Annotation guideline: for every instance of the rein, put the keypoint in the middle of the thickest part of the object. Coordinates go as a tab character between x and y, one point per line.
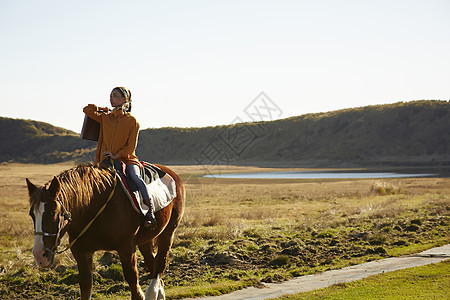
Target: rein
65	215
92	221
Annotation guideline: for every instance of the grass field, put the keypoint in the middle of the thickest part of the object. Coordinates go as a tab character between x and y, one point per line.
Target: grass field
427	282
239	233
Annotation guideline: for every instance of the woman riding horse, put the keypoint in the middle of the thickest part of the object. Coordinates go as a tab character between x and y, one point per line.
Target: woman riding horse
88	204
118	140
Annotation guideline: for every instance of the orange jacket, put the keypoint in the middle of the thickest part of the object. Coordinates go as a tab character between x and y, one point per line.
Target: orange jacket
118	134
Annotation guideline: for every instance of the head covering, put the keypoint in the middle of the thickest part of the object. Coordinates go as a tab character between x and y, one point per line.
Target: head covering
126	107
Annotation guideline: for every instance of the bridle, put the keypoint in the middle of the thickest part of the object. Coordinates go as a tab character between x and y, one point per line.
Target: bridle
63	216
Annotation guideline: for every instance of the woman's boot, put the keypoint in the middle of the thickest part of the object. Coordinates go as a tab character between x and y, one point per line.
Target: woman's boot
149	219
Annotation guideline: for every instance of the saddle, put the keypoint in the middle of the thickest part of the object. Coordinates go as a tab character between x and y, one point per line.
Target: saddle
160	185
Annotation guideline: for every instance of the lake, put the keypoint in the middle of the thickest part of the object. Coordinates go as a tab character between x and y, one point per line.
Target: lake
319	175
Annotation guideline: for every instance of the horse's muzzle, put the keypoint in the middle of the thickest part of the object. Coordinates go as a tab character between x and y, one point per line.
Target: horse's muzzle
44	258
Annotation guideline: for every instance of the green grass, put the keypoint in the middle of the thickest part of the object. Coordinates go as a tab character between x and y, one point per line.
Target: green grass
426	282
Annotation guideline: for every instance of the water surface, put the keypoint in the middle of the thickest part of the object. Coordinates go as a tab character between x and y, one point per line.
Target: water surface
319	175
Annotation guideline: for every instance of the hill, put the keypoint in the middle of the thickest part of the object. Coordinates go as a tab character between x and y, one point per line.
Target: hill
37	142
411	133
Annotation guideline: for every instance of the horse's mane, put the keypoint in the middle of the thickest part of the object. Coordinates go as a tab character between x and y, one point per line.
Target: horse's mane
79	184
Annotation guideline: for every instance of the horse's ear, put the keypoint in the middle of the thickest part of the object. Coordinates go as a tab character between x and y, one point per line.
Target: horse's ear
55	187
31	187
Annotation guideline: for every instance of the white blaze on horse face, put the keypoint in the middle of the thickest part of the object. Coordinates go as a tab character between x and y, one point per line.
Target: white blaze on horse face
38	248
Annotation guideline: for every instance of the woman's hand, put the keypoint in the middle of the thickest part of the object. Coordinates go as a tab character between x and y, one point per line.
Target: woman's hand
102	109
109	154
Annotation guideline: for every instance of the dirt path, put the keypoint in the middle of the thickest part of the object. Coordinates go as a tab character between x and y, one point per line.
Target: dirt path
321	280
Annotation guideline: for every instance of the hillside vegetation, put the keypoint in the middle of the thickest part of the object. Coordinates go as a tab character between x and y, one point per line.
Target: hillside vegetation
37	142
403	133
411	133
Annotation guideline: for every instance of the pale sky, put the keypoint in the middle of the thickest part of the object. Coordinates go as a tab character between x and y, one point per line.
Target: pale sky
200	63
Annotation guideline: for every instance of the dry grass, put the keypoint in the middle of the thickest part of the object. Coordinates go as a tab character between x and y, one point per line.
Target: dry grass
306	203
16	227
226	211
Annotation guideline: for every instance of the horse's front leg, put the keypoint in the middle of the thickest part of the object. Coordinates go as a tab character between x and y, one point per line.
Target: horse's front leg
130	271
84	262
155	291
149	259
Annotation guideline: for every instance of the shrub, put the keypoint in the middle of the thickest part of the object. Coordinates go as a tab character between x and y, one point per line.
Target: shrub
377	239
412	227
280	260
326	234
384	188
113	272
69	277
416	222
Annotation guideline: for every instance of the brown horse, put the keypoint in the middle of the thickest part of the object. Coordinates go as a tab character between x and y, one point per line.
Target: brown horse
71	200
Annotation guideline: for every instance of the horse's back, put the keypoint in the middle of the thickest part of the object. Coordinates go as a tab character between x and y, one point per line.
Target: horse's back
181	192
170	215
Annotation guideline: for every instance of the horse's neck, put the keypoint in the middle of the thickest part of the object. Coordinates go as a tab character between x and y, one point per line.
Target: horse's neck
91	202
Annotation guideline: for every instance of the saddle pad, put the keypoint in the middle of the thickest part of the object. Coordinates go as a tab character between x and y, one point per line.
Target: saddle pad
161	190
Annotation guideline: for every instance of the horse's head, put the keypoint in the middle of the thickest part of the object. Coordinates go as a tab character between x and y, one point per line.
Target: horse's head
49	217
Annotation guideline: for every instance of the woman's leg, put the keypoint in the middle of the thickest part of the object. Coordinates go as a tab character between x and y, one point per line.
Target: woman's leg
135	173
